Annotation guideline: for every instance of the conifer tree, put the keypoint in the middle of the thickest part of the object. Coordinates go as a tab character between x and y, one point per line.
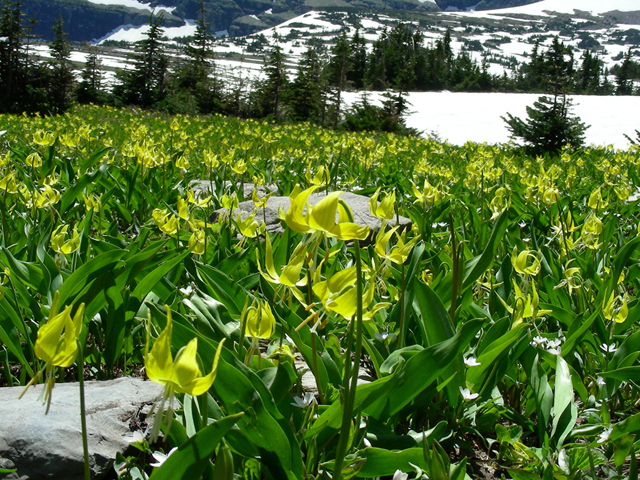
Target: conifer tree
306	93
13	59
198	74
89	89
357	61
61	71
271	89
146	84
338	70
624	82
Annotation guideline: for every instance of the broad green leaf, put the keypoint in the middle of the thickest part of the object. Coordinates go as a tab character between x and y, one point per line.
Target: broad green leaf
193	456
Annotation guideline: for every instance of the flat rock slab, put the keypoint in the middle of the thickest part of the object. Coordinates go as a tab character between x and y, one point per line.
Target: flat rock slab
359	205
203	188
49	446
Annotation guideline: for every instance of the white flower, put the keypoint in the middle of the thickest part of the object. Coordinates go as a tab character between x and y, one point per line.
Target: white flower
555	351
467	395
471	362
554	343
539	341
136	437
600	381
366	442
186	291
304	401
608	348
604	436
400	476
161	457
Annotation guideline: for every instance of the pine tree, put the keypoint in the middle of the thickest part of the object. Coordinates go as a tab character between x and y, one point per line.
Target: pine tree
198	74
338	70
550	127
13	59
588	76
89	89
61	70
306	93
624	82
146	84
269	95
357	61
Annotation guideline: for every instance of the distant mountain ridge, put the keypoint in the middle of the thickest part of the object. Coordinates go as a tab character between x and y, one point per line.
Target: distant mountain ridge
86	21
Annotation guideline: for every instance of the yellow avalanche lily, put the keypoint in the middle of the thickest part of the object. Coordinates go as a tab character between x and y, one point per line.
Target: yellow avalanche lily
384	210
520	262
59	243
179	375
183	374
321	218
56	345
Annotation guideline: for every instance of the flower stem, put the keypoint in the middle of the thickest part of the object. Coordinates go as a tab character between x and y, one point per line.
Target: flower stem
350	392
83	413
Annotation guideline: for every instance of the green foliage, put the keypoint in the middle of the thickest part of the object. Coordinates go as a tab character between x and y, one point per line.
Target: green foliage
550	126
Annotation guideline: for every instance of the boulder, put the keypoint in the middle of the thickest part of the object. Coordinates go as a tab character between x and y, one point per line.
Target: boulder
202	188
359	205
49	446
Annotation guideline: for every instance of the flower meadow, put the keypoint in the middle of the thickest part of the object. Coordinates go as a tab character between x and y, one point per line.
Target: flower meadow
495	337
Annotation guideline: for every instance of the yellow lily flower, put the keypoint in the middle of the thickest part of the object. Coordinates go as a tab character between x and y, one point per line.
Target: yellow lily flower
384	210
183	374
56	345
520	262
259	202
320	179
596	201
197	241
179	375
59	243
8	182
247	227
49	197
33	160
92	202
44	139
240	167
616	308
171	225
290	275
259	320
399	253
321	218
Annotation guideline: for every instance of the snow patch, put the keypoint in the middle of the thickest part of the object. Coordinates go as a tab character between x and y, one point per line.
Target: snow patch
133	4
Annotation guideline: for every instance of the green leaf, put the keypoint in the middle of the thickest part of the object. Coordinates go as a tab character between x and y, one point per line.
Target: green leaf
29	273
191	458
438	327
564	410
542	394
622	450
380	462
518	474
478	265
88	272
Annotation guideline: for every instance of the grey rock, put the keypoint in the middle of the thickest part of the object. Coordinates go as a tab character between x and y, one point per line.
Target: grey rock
359	205
202	188
50	446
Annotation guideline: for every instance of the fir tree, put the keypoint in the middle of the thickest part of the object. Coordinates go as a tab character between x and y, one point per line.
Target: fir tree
357	61
198	75
550	127
146	84
89	89
338	70
306	93
13	59
61	82
624	82
270	90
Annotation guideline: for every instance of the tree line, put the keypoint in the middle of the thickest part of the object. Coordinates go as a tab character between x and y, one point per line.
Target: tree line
399	61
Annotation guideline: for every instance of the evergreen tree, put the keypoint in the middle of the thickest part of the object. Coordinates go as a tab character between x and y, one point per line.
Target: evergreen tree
588	76
269	95
197	75
306	93
338	70
13	59
550	127
357	61
89	90
557	76
624	81
61	73
146	84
